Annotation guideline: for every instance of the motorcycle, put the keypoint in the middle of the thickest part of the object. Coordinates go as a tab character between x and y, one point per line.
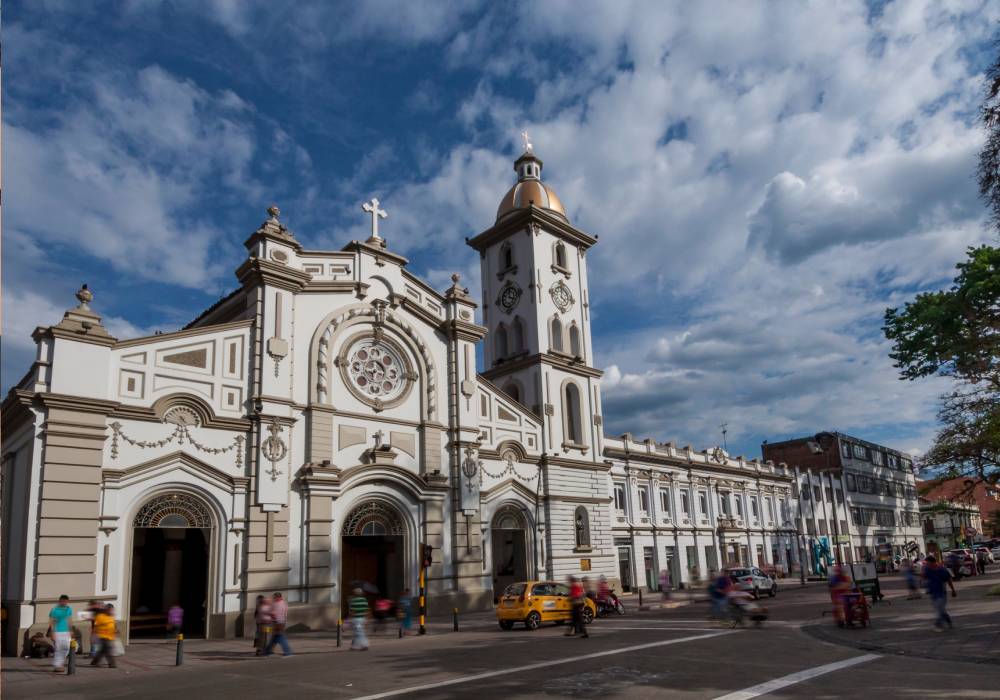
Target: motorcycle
610	605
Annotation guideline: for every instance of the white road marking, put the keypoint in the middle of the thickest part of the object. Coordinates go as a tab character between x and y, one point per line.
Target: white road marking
541	664
793	678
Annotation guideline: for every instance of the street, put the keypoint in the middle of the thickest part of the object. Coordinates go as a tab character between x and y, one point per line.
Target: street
644	654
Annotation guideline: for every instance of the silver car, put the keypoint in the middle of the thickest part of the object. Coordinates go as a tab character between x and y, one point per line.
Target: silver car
752	580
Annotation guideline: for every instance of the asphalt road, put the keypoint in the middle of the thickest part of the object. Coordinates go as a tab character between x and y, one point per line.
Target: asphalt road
642	655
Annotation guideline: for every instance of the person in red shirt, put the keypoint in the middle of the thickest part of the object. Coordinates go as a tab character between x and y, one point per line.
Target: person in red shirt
578	599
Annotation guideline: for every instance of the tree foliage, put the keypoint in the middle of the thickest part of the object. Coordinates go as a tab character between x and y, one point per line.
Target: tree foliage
989	158
954	332
967	443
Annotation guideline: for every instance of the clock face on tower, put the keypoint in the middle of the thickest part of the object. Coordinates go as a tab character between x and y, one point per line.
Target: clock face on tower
509	296
562	297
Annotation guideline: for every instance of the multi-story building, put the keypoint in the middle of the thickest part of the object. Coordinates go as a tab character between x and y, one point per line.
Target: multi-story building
949	524
690	513
857	501
985	496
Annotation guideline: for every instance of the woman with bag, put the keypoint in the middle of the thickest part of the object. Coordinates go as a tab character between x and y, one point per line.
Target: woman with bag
104	628
262	618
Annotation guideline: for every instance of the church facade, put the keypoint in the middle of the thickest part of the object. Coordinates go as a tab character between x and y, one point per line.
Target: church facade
324	422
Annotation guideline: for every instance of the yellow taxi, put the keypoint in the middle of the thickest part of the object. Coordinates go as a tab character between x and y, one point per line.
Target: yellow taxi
535	602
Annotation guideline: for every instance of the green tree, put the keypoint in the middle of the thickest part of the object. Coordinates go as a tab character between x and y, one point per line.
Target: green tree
989	158
955	332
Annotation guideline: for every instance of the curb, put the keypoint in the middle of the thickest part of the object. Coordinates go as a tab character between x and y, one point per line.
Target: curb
822	633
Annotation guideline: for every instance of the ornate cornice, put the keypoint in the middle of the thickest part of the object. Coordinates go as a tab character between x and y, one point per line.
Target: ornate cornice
564	363
255	271
522	219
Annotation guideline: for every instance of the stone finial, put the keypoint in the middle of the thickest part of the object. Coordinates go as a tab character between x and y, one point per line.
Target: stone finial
84	296
456	289
273	212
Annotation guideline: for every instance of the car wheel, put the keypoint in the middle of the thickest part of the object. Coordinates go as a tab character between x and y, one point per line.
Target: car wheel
588	615
774	590
506	624
756	593
533	621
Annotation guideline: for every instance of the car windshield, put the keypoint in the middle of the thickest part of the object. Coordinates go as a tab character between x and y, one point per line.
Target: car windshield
515	589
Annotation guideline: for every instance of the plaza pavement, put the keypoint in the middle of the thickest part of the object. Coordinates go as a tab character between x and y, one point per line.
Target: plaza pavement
646	654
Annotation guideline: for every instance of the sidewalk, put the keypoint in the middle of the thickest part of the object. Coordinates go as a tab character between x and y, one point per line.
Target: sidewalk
30	677
905	627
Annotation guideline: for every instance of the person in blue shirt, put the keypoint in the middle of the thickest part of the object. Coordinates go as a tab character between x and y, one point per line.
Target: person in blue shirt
61	626
937	577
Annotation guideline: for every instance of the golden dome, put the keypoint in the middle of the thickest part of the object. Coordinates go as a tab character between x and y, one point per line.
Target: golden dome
529	189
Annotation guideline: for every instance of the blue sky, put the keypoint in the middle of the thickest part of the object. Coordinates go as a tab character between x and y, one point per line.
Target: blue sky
765	179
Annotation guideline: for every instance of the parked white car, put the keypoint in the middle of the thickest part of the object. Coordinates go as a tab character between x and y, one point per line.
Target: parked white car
752	580
995	553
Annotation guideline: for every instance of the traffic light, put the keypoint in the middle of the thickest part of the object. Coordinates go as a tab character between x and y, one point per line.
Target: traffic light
427	555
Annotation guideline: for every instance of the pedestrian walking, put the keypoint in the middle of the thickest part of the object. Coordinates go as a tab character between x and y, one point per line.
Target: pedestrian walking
279	617
718	592
105	629
937	578
840	589
665	584
93	607
175	620
60	631
981	562
262	620
910	574
578	599
358	608
404	610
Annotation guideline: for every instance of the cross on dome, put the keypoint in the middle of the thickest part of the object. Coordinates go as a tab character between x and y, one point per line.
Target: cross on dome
526	140
372	208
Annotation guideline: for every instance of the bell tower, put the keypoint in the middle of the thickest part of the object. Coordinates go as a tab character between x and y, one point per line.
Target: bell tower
536	306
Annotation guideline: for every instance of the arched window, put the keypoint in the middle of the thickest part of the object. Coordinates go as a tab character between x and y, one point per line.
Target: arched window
556	333
575	347
559	255
512	390
582	523
501	342
506	256
517	335
571	414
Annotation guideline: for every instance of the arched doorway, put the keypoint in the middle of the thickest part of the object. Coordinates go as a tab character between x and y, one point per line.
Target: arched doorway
508	535
170	553
373	543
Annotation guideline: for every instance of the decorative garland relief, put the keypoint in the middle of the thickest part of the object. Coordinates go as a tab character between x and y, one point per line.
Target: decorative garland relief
183	419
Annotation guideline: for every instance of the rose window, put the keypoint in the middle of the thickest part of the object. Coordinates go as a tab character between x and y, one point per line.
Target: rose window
376	370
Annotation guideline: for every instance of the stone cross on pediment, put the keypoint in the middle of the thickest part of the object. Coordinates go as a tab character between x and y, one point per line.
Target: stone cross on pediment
379	437
372	208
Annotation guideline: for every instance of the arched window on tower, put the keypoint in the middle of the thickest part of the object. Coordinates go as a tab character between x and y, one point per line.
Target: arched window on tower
517	335
500	342
575	347
582	524
506	256
572	419
556	334
559	255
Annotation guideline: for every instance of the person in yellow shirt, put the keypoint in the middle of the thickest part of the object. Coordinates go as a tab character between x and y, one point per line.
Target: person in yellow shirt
104	628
